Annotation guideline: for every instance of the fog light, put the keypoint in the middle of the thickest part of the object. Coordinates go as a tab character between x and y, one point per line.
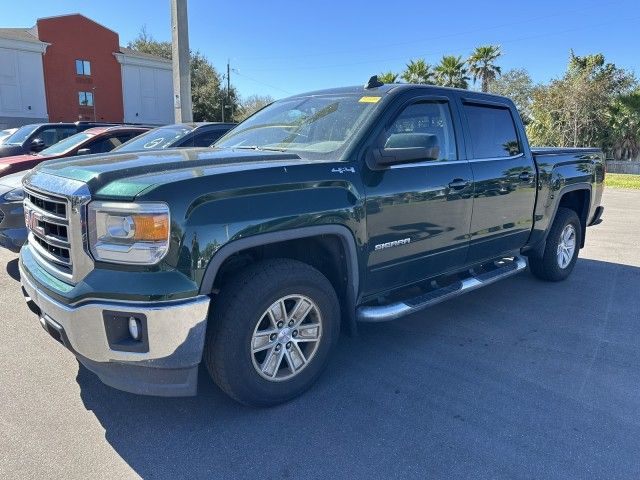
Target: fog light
134	328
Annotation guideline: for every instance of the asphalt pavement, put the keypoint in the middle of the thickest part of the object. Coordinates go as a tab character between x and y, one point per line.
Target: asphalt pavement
522	379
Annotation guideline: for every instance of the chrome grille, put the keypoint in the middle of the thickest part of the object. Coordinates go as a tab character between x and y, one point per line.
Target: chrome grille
56	207
46	217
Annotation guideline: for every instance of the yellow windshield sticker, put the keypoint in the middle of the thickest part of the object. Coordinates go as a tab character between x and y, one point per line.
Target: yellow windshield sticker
369	99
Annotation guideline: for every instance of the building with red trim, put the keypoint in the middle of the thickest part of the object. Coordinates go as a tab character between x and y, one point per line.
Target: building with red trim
71	68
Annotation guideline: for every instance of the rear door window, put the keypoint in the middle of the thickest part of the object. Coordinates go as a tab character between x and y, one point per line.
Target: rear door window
492	130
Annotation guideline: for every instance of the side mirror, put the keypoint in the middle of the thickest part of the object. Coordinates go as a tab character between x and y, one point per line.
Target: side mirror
406	148
37	145
384	157
84	151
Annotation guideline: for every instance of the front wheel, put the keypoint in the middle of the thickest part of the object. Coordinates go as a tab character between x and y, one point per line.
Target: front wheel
271	331
561	249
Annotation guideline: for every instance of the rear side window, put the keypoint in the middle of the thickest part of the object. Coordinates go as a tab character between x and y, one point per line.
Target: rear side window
53	135
205	139
493	133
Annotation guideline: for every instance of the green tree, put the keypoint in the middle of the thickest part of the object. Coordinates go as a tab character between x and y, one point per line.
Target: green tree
518	86
482	65
452	72
574	110
388	77
418	71
252	104
624	124
208	94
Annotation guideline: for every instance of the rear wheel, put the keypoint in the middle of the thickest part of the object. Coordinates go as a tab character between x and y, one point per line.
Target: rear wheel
561	249
271	331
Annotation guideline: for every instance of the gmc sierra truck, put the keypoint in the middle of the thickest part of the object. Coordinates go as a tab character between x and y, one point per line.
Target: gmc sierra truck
322	210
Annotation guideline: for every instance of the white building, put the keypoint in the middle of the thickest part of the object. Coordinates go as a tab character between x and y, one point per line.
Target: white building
22	92
147	87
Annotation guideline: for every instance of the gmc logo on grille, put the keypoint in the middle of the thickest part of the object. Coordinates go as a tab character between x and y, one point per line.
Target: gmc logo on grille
32	220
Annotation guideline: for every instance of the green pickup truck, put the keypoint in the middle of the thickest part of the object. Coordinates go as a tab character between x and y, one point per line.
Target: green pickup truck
360	204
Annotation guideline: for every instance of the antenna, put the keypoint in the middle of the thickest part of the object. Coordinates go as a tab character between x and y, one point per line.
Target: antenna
373	83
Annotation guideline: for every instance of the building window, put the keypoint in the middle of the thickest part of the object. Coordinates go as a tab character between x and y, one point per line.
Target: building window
83	67
85	99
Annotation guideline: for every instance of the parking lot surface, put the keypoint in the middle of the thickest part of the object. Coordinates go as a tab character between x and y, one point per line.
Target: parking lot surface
522	379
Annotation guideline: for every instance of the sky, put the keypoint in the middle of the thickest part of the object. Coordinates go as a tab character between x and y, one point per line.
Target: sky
279	47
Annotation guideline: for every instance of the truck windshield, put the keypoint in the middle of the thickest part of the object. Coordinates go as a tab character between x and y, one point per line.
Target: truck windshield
162	137
19	137
312	127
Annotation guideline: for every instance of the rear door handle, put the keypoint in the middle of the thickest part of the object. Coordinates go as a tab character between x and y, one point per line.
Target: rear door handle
525	177
459	184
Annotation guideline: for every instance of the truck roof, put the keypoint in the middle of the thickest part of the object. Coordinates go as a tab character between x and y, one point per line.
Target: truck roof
394	88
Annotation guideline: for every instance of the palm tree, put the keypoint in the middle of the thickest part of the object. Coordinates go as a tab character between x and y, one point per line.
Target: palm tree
418	71
482	65
388	77
451	72
624	124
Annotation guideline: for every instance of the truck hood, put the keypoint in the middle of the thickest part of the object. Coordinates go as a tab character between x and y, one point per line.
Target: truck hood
128	174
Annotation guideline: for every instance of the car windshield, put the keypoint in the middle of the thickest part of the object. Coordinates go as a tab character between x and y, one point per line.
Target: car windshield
19	137
162	137
69	143
315	127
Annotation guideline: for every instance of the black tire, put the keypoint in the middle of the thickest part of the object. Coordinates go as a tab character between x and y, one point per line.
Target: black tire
547	267
236	311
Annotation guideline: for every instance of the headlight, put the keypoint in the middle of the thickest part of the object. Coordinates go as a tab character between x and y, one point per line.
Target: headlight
15	195
134	233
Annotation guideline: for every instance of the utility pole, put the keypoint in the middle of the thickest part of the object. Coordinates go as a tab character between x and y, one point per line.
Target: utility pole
180	56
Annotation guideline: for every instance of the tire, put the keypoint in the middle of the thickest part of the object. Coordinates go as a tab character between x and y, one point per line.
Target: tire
246	307
550	267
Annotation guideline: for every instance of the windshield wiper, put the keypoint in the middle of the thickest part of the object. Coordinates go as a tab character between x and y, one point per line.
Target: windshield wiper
257	148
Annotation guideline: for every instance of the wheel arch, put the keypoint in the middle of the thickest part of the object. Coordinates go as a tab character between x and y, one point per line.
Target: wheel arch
576	196
347	242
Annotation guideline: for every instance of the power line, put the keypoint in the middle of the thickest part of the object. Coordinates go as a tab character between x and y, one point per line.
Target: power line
405	57
426	39
261	82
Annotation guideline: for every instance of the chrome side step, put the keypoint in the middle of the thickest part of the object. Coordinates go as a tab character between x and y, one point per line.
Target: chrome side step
383	313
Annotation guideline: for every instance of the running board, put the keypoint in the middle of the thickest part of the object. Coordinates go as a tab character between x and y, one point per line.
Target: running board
399	309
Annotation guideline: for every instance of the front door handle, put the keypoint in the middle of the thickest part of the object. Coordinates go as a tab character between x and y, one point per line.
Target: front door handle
525	177
459	184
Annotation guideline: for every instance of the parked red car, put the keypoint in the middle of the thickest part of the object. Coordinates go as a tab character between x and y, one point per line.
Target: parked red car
93	140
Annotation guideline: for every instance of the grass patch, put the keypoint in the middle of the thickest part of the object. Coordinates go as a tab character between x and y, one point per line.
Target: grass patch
622	180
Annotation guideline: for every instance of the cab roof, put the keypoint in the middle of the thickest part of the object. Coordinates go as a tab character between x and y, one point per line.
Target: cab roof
396	88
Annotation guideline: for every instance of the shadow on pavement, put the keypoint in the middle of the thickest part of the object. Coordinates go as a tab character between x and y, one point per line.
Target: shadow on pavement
12	269
522	378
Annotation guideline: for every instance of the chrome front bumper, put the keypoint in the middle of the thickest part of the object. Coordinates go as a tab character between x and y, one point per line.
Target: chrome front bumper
175	334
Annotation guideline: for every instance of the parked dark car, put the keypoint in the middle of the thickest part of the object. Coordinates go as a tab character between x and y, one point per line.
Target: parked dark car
321	210
13	232
36	137
92	140
180	135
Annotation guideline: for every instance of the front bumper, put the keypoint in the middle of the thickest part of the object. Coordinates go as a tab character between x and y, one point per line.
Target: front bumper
13	232
174	340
